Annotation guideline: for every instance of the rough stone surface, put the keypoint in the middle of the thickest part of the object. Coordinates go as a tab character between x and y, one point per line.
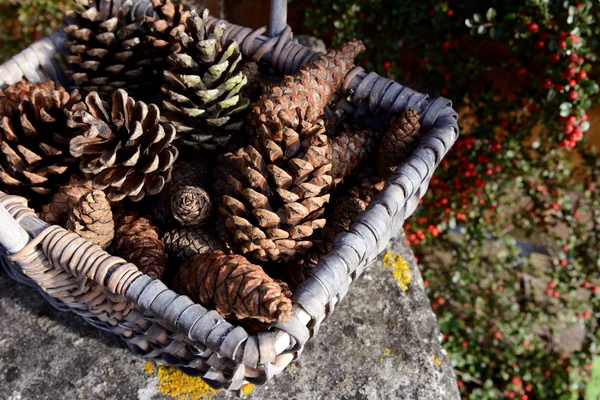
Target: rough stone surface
380	343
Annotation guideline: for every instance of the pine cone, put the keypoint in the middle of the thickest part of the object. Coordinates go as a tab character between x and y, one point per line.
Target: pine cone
349	149
203	86
64	200
163	30
34	138
234	287
278	202
300	99
138	241
398	142
124	149
185	173
191	206
356	198
92	219
108	51
182	244
257	83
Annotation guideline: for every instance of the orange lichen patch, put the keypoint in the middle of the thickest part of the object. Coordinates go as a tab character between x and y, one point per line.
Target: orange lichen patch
174	383
400	269
436	360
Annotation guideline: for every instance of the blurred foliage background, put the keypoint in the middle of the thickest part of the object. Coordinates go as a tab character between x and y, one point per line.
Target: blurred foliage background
508	235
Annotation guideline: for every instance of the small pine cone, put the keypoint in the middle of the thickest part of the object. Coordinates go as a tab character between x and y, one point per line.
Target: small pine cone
185	173
349	149
182	244
138	241
301	98
356	198
257	84
300	269
64	200
398	142
92	219
234	287
123	148
191	206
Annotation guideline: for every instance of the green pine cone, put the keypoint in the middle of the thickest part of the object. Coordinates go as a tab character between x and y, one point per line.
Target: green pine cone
203	86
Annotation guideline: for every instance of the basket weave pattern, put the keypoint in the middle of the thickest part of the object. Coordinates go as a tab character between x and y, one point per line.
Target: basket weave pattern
157	323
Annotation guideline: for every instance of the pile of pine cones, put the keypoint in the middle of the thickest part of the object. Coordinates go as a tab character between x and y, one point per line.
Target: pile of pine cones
176	153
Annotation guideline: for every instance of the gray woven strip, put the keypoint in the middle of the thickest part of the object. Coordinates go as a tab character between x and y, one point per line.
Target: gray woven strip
232	342
266	346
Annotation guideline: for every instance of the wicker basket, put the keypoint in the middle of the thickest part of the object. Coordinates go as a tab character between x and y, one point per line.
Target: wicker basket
161	325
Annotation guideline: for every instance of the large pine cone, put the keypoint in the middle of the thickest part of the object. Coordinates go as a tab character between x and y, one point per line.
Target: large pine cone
34	138
123	148
92	219
162	30
300	98
234	287
138	241
398	142
278	200
108	51
203	86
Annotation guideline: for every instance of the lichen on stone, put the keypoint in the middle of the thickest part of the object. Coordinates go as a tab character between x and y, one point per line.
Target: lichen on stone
176	384
400	269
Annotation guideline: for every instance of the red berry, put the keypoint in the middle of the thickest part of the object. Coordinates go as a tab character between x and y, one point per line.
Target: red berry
524	397
562	44
461	217
464	344
521	71
554	58
577	6
565	247
573	94
497	335
584	117
547	372
516	381
563	35
450	12
571	119
567	129
555	207
440	300
586	314
533	27
559	88
572	83
387	65
556	294
573	58
595	289
361	14
511	395
528	388
546	83
587	367
446	46
504	123
586	284
582	75
425	283
551	285
444	91
563	262
539	44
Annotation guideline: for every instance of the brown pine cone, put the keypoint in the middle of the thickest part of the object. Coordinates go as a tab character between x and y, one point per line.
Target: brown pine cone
234	287
34	138
138	241
348	149
364	185
279	198
92	219
182	244
191	206
123	148
300	98
64	200
398	142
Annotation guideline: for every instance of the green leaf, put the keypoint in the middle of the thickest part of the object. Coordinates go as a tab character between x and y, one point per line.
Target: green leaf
468	23
481	29
585	126
592	391
551	95
490	14
565	106
477	18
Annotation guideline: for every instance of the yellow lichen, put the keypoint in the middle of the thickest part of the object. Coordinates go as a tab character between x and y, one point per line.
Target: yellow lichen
247	389
174	383
436	360
386	353
400	269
